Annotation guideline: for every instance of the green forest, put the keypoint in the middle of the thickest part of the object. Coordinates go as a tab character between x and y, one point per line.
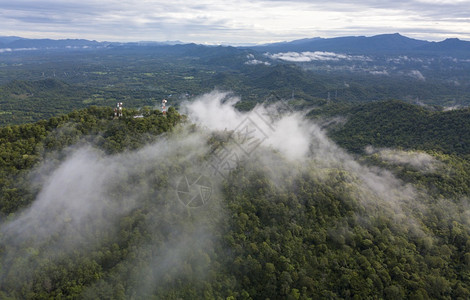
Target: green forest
313	232
38	85
174	206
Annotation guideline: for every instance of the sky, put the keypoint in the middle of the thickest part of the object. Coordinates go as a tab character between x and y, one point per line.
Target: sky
232	22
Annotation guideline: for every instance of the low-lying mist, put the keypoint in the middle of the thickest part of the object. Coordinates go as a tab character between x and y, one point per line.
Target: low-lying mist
176	185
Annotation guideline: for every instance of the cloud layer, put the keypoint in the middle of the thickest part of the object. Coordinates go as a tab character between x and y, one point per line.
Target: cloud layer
315	56
417	160
215	21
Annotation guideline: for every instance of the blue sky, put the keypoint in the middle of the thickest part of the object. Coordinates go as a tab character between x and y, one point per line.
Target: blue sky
232	22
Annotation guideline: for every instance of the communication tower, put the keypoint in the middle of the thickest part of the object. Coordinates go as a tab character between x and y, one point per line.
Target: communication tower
164	101
118	110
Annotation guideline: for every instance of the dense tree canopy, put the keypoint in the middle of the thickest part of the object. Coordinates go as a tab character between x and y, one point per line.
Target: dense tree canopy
313	232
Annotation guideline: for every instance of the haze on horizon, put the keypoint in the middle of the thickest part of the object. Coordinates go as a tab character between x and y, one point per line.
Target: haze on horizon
232	22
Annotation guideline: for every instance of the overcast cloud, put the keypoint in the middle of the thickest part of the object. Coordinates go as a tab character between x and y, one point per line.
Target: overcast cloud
233	22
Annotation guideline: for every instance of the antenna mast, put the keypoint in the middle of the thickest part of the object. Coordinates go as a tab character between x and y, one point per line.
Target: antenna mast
118	110
164	101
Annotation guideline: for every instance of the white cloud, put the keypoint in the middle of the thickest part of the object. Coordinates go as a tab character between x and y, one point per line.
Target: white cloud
420	161
314	56
453	107
2	50
417	74
257	62
288	135
382	72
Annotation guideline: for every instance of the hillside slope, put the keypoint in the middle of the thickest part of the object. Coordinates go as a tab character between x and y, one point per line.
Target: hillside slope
96	208
399	124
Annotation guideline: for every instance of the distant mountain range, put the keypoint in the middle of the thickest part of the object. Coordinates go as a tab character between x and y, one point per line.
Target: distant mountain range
378	44
18	43
15	43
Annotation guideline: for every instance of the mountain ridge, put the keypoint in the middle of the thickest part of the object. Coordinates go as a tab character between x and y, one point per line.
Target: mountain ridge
377	44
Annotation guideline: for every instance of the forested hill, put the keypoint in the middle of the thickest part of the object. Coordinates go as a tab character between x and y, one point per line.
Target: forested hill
24	146
29	101
92	208
399	124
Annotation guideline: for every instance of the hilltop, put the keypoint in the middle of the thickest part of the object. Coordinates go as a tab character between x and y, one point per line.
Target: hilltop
92	207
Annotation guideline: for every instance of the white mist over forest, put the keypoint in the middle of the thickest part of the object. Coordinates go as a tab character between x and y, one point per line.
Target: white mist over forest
83	199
